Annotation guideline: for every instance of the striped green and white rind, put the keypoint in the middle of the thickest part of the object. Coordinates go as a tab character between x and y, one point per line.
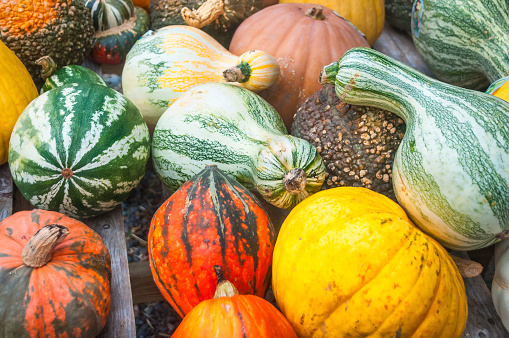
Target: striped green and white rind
71	74
90	129
464	43
242	134
450	172
107	14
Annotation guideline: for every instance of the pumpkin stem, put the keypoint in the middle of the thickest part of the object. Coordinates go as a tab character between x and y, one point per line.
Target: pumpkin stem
466	267
38	251
209	11
295	181
316	12
49	67
224	288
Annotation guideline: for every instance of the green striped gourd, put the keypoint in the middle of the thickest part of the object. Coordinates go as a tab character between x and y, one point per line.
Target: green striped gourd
464	43
163	65
398	13
107	14
79	149
244	136
65	75
450	172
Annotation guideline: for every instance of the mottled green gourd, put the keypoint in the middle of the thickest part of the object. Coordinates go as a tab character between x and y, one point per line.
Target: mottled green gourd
221	18
464	43
235	129
399	13
450	171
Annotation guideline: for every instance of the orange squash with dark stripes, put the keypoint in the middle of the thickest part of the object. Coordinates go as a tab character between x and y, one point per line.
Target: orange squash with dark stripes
211	220
54	277
229	314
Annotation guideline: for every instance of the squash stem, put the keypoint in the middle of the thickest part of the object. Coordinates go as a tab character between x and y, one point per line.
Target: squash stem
39	249
240	73
295	181
49	67
328	73
207	13
224	288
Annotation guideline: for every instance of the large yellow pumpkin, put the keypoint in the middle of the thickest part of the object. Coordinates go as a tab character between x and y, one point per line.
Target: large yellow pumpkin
17	90
367	15
348	262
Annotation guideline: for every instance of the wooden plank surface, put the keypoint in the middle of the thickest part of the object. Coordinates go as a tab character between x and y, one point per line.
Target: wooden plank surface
110	227
6	192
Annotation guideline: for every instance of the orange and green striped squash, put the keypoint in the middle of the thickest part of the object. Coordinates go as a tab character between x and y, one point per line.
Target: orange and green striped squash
211	220
54	277
17	90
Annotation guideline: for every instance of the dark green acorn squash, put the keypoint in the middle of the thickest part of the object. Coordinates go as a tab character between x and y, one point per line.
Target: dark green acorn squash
399	13
356	143
226	16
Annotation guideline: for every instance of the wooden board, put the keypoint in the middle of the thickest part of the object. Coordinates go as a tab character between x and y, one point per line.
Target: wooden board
6	192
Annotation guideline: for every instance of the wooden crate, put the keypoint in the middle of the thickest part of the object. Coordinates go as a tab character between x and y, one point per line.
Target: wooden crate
133	283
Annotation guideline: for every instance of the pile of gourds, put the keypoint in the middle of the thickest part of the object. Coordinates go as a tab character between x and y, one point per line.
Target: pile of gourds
347	260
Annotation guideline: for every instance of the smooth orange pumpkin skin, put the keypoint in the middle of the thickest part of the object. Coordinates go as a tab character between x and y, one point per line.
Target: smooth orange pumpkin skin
67	297
302	45
243	316
143	4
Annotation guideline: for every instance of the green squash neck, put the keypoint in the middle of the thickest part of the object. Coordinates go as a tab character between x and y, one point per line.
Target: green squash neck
366	77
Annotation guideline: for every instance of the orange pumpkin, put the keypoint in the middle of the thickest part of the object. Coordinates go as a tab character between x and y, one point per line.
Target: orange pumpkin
54	275
303	38
229	314
143	4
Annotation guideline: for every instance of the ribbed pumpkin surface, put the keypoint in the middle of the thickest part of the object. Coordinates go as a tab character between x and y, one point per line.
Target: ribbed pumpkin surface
211	220
67	297
17	89
348	262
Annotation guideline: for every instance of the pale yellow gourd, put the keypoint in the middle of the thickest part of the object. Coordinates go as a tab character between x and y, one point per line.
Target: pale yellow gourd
17	90
164	64
348	262
367	15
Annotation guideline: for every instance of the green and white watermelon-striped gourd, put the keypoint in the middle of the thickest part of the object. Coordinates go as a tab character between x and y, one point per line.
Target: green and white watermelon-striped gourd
107	14
464	43
163	65
65	75
79	149
235	129
450	171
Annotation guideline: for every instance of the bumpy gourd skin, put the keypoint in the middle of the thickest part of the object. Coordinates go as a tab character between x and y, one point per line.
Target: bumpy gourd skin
168	12
61	29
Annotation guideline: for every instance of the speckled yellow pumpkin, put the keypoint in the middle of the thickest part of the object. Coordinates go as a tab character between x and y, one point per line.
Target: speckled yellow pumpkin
17	90
348	262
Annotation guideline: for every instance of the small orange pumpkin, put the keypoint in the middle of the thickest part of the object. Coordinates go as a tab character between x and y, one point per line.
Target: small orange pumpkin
54	275
229	314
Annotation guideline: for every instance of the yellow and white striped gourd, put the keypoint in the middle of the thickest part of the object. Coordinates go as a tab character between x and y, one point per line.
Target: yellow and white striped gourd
164	64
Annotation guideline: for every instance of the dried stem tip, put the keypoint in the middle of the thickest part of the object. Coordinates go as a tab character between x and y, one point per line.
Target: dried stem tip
39	249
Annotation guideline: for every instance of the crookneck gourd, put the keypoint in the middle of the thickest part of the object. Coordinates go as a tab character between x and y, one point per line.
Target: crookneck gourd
223	124
465	44
164	64
61	29
216	17
450	171
357	143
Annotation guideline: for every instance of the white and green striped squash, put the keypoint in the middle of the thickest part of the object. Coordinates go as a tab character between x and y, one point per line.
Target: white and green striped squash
164	64
451	170
235	129
79	149
107	14
71	74
464	43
